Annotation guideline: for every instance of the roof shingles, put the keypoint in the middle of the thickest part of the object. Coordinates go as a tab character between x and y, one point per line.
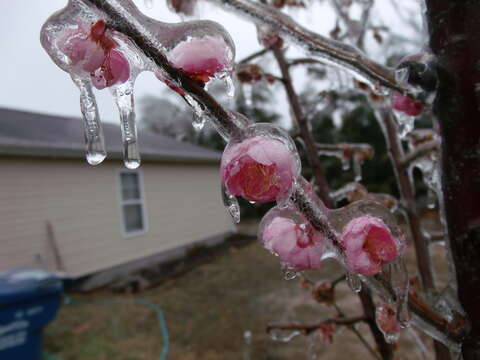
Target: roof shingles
33	134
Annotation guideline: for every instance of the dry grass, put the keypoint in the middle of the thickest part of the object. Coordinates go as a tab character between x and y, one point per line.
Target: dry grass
207	312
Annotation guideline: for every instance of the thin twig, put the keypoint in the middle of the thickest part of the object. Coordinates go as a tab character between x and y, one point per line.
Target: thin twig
306	329
253	56
343	54
303	127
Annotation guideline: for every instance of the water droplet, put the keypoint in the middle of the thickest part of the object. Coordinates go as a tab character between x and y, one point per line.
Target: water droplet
354	282
231	204
95	157
289	274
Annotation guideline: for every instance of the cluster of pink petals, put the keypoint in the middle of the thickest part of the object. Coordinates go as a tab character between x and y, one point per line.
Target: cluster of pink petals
406	104
299	246
259	169
201	58
368	245
91	51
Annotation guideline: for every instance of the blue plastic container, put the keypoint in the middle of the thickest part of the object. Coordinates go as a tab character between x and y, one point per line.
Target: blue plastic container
29	300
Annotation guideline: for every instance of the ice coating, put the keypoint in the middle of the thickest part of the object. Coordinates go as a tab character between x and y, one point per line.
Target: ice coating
231	204
368	245
386	318
260	168
81	41
201	58
287	234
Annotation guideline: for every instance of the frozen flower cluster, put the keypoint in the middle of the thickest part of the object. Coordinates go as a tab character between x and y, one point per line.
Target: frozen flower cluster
91	50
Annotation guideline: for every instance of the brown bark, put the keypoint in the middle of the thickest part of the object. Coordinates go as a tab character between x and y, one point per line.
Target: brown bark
454	27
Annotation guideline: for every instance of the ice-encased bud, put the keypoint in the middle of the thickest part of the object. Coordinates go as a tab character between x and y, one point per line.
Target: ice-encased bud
86	49
203	58
386	319
288	234
406	105
262	165
368	245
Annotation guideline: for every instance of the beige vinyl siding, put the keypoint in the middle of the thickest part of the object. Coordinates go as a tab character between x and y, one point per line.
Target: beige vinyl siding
183	205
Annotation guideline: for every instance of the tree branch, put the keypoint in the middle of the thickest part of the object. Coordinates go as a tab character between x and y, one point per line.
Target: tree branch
420	150
306	329
304	128
347	56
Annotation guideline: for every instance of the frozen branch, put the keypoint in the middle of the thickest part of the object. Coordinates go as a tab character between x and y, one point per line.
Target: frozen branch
304	127
306	329
420	150
335	52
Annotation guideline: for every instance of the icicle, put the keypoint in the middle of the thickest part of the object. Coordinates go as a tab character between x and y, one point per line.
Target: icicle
248	94
312	346
148	4
357	169
385	317
198	122
282	335
124	99
230	86
399	281
354	282
405	123
94	140
231	204
247	338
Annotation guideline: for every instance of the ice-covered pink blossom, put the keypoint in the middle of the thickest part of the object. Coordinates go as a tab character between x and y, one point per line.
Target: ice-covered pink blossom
201	58
299	246
114	70
368	245
91	50
259	169
83	52
406	104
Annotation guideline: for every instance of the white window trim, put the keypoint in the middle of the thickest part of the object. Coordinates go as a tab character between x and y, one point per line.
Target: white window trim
141	201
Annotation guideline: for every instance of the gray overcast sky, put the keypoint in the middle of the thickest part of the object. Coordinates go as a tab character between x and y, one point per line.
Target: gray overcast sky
31	81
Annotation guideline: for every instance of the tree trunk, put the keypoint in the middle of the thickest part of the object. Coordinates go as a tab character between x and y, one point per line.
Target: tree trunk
454	27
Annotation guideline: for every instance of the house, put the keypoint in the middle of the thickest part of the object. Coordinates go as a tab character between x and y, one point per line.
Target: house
60	213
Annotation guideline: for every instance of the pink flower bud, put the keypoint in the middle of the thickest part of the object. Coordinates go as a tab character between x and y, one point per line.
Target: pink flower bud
201	58
83	52
259	169
368	245
295	242
114	70
406	104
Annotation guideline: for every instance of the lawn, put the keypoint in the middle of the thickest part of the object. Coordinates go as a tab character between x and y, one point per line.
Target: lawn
208	310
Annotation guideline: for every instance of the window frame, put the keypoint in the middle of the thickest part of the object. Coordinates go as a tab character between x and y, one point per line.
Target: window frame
140	201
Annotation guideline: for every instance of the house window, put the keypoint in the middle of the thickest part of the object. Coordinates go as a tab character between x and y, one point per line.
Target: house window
132	202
